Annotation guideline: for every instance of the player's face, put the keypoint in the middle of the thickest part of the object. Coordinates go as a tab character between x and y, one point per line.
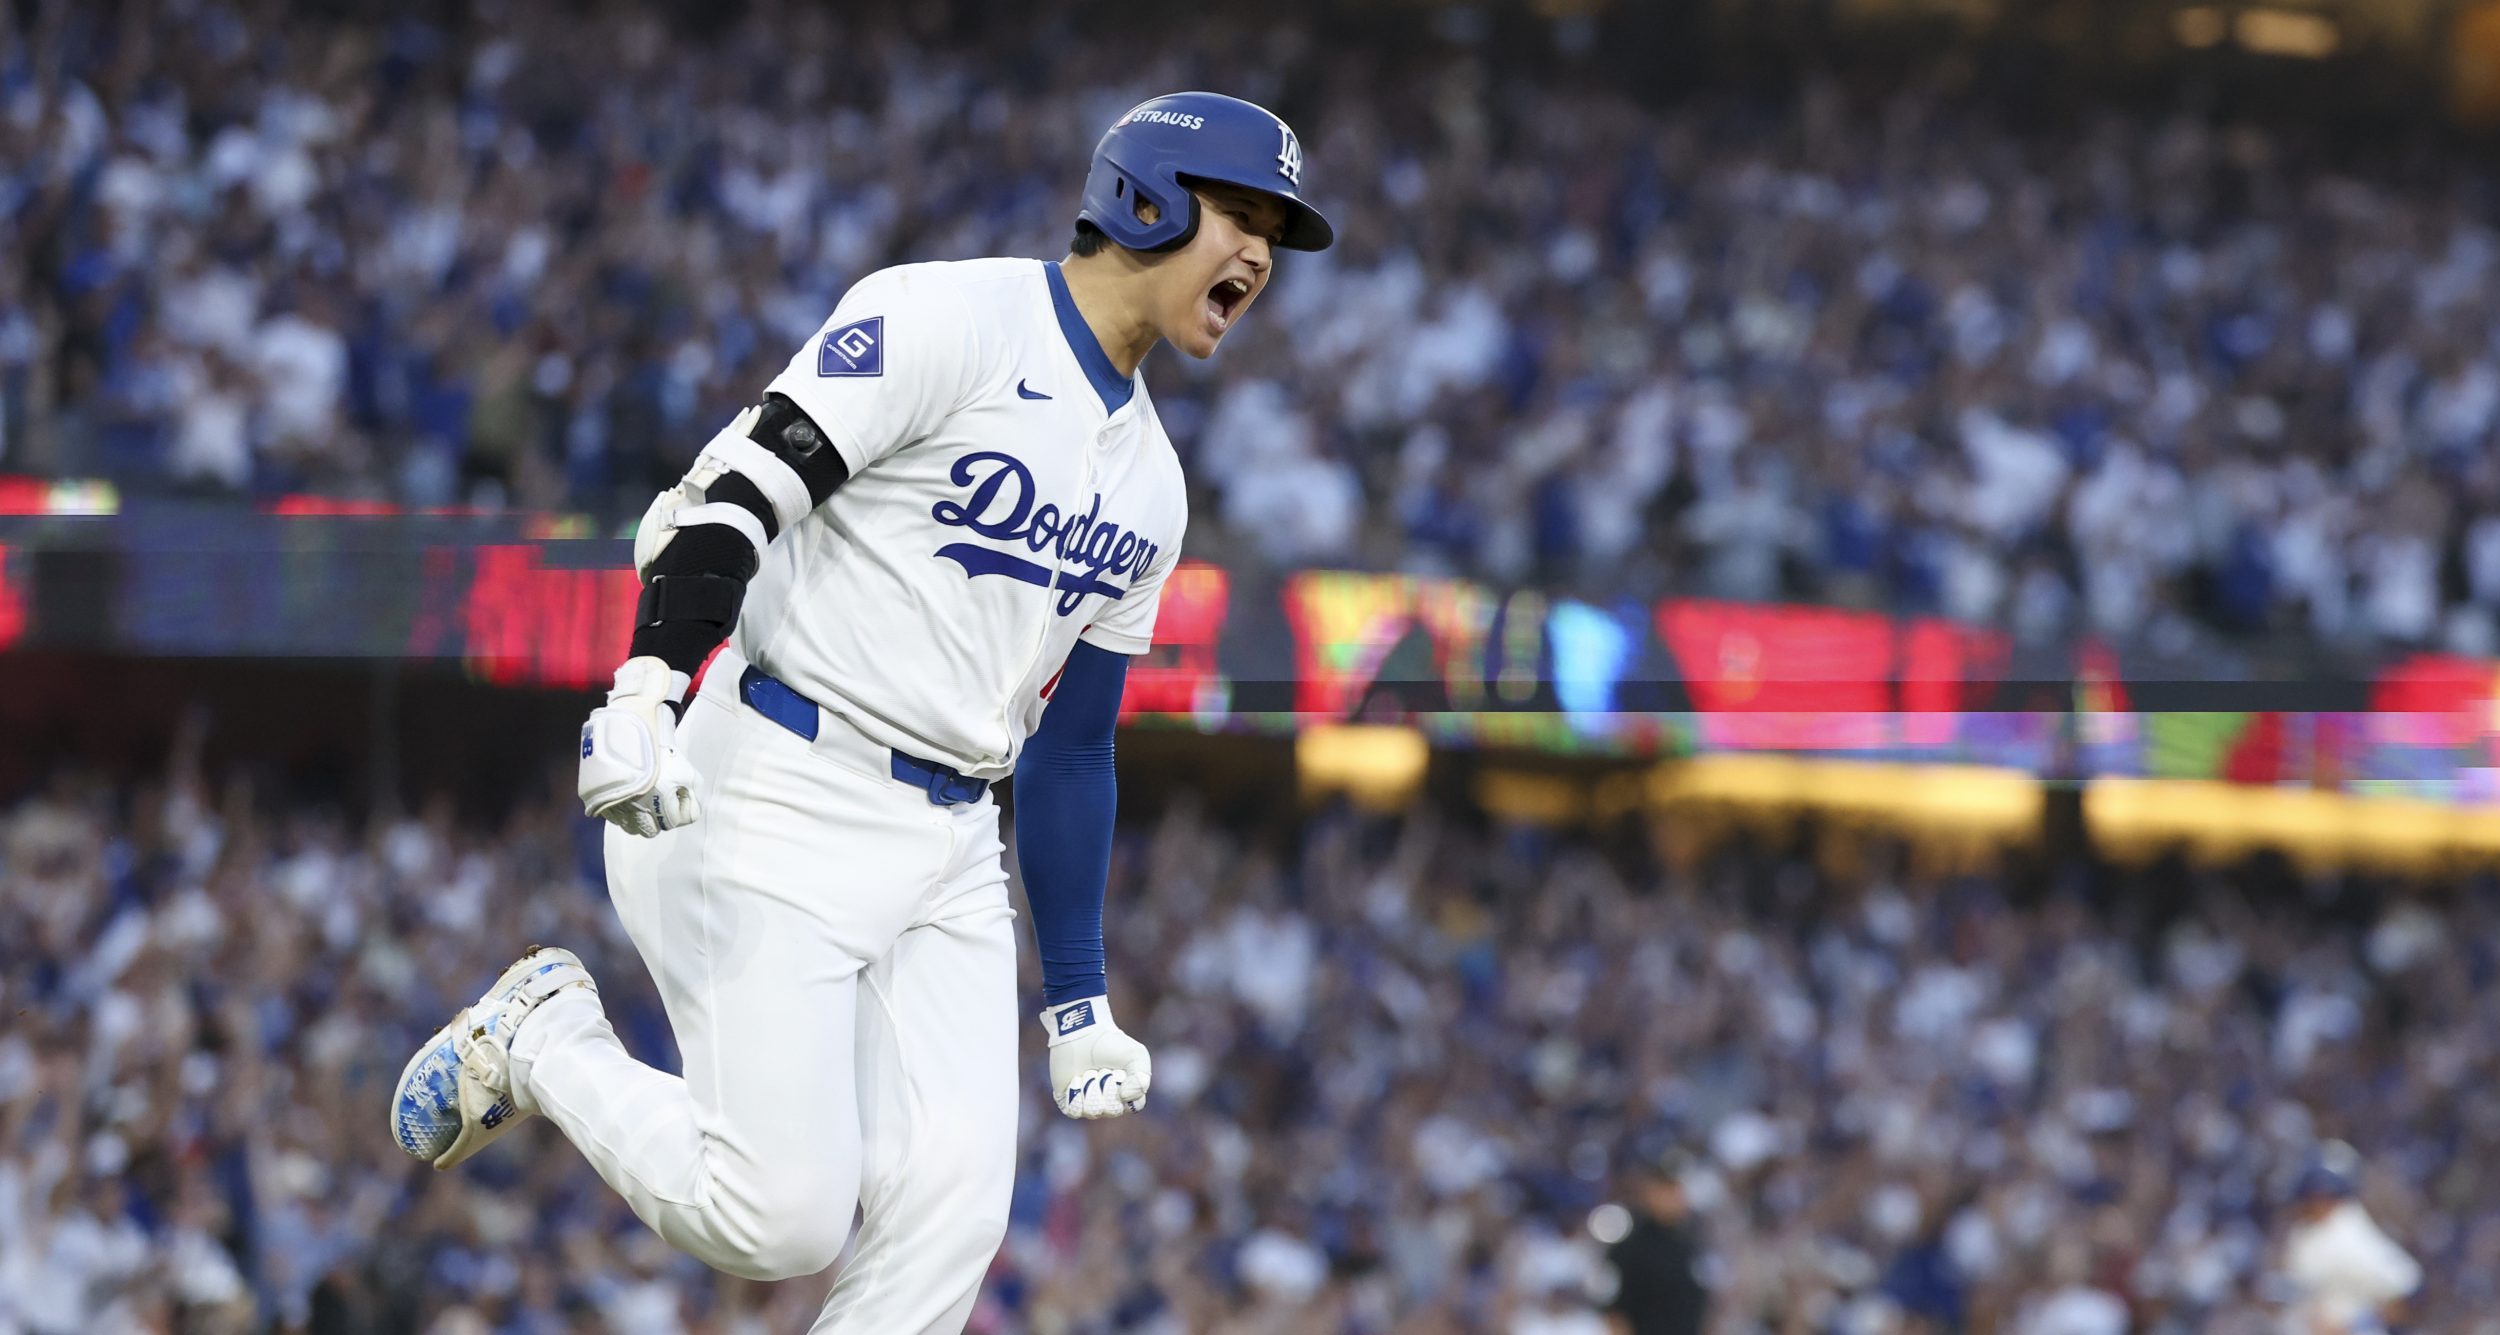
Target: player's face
1210	283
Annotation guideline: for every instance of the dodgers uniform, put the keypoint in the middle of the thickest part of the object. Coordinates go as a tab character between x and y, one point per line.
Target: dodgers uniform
2347	1271
1010	494
917	567
1039	503
2344	1271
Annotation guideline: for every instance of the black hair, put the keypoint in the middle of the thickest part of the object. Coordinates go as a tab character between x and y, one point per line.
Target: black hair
1088	241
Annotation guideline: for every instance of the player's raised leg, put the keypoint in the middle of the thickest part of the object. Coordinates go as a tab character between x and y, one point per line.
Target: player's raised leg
937	1063
754	922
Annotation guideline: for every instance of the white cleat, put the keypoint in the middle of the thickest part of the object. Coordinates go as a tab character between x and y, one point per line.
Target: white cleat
455	1095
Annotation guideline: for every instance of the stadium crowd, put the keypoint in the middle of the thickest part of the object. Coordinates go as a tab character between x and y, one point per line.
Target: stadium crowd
1398	1064
2135	372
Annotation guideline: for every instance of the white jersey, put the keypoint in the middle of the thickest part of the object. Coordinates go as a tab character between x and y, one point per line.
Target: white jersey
999	508
2347	1270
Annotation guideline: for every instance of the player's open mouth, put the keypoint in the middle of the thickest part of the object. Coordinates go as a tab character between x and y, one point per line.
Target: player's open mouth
1224	300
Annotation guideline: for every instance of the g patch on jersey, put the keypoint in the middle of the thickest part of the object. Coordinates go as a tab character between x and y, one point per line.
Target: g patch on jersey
855	349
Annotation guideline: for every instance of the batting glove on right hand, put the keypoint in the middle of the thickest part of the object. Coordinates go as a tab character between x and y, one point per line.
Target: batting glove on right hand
632	776
1095	1070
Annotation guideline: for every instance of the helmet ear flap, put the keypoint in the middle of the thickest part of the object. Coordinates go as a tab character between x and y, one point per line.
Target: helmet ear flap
1185	202
1188	229
1189	219
1113	196
1136	204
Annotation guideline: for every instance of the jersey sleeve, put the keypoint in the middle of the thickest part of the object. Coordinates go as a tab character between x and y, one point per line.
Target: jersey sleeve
1129	626
898	354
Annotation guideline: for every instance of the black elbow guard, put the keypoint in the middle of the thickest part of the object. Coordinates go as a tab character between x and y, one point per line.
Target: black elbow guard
681	618
708	598
795	438
696	582
796	471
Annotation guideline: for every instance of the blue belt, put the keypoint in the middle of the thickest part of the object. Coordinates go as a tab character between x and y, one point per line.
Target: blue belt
775	701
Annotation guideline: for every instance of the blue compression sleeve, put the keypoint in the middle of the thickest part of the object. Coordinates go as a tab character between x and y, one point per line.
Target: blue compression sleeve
1065	797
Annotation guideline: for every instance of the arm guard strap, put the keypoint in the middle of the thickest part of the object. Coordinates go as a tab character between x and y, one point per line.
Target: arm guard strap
703	554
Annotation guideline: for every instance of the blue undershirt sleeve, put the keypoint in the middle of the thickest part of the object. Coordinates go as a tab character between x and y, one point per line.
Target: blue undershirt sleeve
1066	795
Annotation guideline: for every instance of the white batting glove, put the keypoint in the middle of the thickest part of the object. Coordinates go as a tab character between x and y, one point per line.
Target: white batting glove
632	776
1095	1070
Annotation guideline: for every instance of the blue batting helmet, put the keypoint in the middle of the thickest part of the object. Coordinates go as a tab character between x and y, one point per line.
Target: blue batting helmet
1157	149
2333	1170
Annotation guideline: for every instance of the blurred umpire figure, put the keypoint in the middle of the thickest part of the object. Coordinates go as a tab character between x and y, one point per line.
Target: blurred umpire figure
1653	1252
2347	1276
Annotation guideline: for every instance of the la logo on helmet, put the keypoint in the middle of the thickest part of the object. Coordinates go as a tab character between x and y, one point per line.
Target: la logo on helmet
1289	156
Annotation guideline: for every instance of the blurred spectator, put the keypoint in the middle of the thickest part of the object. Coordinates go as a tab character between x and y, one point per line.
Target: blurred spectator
1397	1059
2119	371
2348	1275
1653	1255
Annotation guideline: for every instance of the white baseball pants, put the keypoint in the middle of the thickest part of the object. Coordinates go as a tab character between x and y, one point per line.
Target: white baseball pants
838	960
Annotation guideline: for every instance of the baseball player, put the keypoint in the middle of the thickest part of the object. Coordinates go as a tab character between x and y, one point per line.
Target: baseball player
919	565
2348	1276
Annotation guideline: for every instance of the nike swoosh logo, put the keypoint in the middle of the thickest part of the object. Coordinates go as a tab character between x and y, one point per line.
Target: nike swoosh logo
1023	393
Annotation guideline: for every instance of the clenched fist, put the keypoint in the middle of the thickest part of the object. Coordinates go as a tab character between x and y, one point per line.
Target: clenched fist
1095	1069
632	776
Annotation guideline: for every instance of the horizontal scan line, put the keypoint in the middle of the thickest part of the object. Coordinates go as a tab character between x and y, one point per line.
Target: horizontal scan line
1827	695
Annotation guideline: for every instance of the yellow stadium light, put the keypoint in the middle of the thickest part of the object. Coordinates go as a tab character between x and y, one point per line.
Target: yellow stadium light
1379	766
1533	798
2283	32
1968	798
2200	26
2145	816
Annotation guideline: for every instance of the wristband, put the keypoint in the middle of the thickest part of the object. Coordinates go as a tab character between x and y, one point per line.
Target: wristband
1074	1019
